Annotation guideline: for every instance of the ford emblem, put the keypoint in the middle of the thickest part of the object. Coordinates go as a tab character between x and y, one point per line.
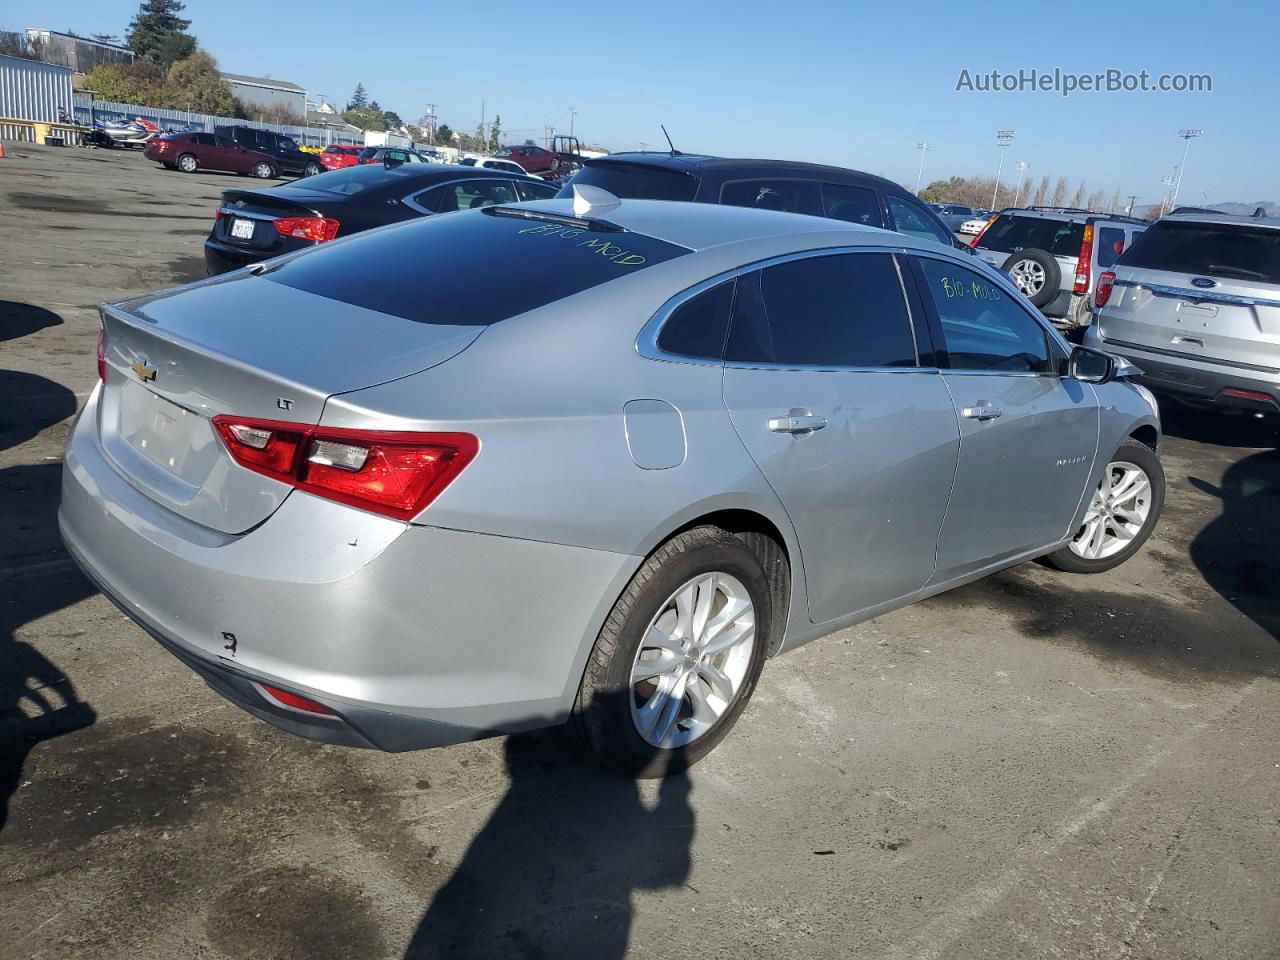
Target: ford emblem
1203	282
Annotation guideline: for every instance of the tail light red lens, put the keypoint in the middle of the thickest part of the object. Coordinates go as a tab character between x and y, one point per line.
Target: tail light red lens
102	356
1102	293
315	229
218	214
394	474
1081	284
294	700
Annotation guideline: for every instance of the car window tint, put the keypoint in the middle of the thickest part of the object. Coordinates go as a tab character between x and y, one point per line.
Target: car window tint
852	204
1010	233
223	142
1110	244
441	270
698	326
634	181
535	190
983	328
788	196
1231	251
845	310
474	195
286	144
914	222
204	139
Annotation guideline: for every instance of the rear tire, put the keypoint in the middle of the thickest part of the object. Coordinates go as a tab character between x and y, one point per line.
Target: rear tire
612	706
1111	517
311	169
1035	273
188	163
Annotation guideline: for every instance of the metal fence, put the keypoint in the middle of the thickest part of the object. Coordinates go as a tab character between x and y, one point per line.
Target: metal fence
31	91
100	111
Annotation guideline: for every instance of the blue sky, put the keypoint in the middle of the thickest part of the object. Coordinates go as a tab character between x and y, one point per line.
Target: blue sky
853	84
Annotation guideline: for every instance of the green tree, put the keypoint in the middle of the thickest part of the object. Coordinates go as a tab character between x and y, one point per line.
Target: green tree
359	99
366	118
392	119
156	32
495	133
444	134
195	84
140	82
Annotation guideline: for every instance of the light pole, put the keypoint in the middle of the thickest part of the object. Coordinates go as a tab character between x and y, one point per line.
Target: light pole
1188	136
1168	187
1022	168
923	148
1003	139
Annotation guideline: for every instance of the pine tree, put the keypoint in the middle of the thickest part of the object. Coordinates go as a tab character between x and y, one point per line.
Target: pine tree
158	34
359	99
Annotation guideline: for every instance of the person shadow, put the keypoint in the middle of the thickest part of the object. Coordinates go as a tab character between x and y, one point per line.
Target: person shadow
1235	551
553	871
37	700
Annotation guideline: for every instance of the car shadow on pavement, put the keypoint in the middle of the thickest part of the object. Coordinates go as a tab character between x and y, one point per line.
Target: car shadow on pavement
1216	427
23	319
553	871
37	700
1235	553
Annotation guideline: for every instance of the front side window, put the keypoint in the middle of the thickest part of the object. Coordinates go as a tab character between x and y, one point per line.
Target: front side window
287	144
844	310
698	326
914	222
787	196
983	328
852	204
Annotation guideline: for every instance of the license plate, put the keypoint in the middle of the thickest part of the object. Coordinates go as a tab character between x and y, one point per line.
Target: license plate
242	229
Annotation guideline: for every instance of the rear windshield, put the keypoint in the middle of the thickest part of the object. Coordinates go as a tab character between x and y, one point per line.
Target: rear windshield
634	181
472	268
1228	250
1012	233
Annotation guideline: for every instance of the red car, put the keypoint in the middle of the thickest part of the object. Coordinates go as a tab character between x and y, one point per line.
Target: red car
190	152
534	160
339	155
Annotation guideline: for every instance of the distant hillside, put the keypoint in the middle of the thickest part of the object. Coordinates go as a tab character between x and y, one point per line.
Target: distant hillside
1245	209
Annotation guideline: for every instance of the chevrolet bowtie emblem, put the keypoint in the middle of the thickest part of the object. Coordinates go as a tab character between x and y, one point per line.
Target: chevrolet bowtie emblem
145	371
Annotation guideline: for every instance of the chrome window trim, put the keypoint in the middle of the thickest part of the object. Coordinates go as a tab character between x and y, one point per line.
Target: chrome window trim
1199	296
647	340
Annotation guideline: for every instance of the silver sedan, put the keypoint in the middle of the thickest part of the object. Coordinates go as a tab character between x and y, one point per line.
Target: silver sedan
581	460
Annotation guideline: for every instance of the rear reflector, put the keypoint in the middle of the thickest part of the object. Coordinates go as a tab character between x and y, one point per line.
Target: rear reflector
296	701
1249	395
315	229
394	474
1102	293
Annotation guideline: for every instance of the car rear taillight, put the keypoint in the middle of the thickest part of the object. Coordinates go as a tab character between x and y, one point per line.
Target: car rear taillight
294	701
987	226
1102	294
1082	264
315	229
218	215
102	356
162	144
394	474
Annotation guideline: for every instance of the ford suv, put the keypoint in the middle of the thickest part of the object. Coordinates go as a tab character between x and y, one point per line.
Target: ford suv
1196	304
1055	254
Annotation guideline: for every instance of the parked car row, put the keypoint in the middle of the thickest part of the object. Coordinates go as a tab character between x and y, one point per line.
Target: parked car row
234	149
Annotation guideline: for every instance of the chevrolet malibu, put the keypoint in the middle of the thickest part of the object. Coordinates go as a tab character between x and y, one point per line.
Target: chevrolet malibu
581	460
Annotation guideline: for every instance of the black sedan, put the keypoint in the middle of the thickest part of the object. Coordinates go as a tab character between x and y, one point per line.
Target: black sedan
255	225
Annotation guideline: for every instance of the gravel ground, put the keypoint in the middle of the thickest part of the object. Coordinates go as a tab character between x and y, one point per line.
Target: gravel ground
1037	765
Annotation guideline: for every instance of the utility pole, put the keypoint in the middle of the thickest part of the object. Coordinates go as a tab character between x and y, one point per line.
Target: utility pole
430	117
923	148
1188	136
1022	168
1003	139
1133	199
573	115
484	141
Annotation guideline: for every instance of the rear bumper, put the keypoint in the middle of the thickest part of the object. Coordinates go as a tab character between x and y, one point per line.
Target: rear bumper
414	636
220	258
1193	379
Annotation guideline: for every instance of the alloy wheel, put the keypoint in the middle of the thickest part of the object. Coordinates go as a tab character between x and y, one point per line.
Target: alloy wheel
692	660
1118	512
1028	276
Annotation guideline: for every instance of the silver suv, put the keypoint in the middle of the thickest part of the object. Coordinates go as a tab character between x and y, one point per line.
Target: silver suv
1055	254
1196	304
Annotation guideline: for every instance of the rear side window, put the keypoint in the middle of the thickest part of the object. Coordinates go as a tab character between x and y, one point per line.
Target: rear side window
204	139
788	196
442	270
634	181
845	310
852	204
1110	244
1232	251
698	326
469	195
1010	233
535	189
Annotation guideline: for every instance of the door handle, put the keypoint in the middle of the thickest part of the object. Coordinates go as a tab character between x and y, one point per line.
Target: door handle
797	422
1196	340
981	411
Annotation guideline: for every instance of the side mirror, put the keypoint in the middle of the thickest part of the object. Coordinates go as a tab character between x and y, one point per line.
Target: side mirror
1091	366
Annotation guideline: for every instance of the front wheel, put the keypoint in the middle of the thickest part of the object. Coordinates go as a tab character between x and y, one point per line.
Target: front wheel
678	657
1123	510
263	171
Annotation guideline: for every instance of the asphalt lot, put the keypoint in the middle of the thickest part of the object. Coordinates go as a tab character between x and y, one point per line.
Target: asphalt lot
1038	765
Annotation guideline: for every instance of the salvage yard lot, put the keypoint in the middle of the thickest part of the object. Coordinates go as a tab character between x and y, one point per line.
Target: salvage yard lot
1035	765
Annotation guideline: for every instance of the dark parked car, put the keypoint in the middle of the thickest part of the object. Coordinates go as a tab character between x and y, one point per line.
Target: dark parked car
290	160
809	188
255	225
190	152
390	155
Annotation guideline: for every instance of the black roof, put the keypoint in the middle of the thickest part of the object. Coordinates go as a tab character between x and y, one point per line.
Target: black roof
698	163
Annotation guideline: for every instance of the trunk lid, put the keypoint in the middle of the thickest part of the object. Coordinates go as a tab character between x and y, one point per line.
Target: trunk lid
257	211
246	346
